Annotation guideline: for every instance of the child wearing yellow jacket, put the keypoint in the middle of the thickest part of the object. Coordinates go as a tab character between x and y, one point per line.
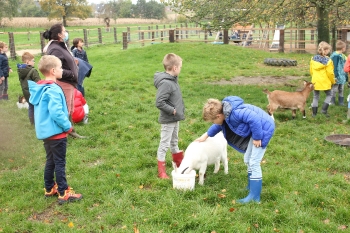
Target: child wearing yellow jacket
322	72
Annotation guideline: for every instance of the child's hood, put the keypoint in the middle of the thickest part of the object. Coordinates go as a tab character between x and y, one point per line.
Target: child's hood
229	103
160	76
319	62
38	89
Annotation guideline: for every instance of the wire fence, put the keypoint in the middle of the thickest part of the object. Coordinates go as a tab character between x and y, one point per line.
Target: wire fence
268	39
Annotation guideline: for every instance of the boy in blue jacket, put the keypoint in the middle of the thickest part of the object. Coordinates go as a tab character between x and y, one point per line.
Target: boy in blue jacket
248	129
52	126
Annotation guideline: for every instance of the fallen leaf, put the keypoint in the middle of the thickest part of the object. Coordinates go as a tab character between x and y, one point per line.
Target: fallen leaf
256	225
276	230
232	209
220	195
70	225
123	227
141	187
117	175
276	211
326	221
64	220
224	190
136	230
342	227
316	186
233	201
300	231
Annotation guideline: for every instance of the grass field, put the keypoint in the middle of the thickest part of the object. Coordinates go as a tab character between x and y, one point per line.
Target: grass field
305	179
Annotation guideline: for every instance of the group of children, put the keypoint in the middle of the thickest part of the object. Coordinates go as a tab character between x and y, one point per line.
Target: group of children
247	128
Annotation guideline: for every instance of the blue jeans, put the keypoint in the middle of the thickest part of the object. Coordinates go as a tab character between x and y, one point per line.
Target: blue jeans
55	164
169	137
252	159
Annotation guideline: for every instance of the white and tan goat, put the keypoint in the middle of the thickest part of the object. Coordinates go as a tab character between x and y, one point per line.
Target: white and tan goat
289	100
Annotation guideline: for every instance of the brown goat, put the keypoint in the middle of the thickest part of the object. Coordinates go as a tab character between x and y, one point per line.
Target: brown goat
289	100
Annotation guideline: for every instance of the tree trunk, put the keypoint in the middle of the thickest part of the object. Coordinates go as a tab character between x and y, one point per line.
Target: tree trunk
64	21
322	24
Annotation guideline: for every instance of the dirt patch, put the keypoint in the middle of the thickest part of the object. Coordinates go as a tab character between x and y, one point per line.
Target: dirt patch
266	80
49	215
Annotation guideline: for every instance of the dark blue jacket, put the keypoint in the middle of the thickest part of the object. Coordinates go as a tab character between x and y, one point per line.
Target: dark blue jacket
245	121
4	65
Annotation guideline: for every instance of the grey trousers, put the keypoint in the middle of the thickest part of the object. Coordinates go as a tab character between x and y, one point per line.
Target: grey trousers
169	137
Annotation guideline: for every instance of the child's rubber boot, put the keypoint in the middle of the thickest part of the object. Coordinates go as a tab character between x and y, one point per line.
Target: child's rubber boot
178	157
161	170
255	186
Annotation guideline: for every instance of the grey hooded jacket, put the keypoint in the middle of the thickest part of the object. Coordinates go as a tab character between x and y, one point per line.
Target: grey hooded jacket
168	98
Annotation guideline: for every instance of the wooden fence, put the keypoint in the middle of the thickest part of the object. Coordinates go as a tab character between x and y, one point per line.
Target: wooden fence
268	39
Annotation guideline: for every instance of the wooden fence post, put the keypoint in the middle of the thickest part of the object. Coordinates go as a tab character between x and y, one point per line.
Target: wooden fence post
177	32
205	36
149	32
115	35
12	46
181	32
142	39
152	35
125	40
42	43
86	42
281	42
129	37
157	31
164	32
161	36
139	29
99	36
171	36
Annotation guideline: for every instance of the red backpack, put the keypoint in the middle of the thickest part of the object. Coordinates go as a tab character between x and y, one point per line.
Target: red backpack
347	65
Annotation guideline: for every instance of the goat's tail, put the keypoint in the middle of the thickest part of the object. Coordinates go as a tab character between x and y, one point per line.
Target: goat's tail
267	92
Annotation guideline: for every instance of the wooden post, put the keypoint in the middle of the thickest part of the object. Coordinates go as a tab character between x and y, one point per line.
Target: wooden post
125	40
164	32
128	30
42	43
99	35
142	39
157	31
139	29
86	42
181	32
205	36
12	46
171	36
149	32
152	35
281	42
161	36
115	35
186	32
225	36
177	32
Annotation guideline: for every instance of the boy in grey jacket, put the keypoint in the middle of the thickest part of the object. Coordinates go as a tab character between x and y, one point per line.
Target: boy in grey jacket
172	110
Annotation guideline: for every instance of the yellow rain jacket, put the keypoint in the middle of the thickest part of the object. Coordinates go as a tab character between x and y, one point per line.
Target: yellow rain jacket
322	72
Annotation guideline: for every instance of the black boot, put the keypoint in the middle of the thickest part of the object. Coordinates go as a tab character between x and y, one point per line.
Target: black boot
324	109
314	111
341	101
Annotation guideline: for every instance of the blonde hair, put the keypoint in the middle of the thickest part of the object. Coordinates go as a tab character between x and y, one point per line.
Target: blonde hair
340	45
2	44
26	57
211	109
170	60
322	47
48	62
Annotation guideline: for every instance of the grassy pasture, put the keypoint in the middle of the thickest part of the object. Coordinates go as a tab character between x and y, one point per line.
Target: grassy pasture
305	179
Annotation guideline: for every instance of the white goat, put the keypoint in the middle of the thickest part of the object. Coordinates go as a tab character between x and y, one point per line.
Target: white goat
290	100
200	154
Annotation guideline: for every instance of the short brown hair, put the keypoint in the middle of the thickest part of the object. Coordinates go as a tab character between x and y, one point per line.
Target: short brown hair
211	109
76	41
26	56
322	46
47	62
340	45
2	44
170	60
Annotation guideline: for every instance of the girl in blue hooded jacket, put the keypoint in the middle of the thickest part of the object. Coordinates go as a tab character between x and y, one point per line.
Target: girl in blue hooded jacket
248	129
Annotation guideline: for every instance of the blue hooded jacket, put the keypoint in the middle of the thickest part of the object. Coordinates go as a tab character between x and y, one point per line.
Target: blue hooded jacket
245	121
50	109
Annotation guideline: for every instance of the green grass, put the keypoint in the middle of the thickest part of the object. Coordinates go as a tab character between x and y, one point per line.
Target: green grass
305	179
